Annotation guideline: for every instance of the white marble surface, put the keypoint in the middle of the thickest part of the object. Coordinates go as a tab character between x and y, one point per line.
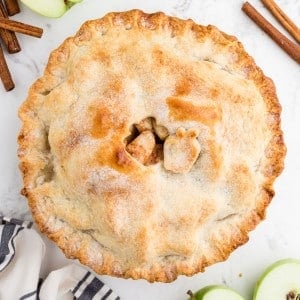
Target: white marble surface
277	237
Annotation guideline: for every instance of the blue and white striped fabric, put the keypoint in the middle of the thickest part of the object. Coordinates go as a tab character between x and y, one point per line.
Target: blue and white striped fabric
9	229
21	256
91	287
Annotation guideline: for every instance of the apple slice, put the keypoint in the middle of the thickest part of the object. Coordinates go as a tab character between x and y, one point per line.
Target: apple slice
50	8
213	292
279	281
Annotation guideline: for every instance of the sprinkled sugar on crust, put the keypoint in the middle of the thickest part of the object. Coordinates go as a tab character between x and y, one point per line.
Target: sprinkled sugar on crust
107	208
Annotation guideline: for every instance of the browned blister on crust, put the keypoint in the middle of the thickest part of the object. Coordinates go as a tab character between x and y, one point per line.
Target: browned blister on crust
104	195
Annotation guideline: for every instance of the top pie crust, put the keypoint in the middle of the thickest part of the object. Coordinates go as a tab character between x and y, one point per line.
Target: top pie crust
102	205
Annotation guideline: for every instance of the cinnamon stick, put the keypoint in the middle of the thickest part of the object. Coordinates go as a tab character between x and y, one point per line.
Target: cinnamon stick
287	45
9	38
283	19
20	27
4	73
12	7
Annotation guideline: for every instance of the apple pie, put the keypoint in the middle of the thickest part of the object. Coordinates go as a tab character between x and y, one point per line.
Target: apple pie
149	146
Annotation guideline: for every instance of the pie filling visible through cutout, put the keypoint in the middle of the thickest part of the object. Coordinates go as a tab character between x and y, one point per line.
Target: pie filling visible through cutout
149	146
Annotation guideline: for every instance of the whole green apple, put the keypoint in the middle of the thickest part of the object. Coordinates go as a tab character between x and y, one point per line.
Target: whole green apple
50	8
214	292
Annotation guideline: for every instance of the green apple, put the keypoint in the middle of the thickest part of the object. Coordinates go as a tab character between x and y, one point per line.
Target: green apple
72	2
280	281
50	8
213	292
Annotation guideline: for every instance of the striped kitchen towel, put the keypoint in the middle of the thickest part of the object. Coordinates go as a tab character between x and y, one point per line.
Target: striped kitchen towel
21	256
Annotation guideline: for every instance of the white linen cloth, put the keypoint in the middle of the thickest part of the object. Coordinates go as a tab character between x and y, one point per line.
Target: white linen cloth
21	256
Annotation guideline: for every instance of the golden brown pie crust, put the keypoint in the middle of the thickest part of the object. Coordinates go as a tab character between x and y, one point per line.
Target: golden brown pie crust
103	206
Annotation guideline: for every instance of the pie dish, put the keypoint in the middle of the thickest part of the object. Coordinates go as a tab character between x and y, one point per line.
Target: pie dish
149	146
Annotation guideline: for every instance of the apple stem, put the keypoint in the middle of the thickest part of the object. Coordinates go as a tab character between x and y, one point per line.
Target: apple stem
292	295
190	293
